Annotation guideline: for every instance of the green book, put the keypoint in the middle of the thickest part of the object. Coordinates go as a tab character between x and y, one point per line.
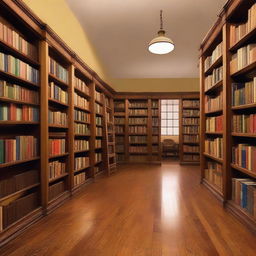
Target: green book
1	151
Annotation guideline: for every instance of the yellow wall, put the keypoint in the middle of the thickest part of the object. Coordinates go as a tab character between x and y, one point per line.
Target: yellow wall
60	18
58	15
156	85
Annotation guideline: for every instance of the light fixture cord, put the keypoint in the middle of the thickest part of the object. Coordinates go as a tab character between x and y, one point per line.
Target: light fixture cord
161	19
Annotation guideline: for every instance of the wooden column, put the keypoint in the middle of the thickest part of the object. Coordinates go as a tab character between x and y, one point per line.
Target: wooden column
126	130
149	136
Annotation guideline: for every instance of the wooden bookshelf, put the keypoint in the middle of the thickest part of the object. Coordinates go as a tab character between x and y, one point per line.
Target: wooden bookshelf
238	108
189	130
50	174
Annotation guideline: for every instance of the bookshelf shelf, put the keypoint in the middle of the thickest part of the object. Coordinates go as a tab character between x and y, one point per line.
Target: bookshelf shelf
246	71
243	170
82	151
83	94
214	112
58	156
83	109
245	106
18	123
213	133
4	99
57	80
215	64
58	177
214	87
58	126
249	135
219	160
4	165
58	103
81	169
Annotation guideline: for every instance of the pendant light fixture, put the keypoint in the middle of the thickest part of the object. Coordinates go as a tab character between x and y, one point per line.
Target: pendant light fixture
161	44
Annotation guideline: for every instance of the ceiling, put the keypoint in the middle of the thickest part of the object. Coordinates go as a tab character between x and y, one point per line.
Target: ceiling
121	29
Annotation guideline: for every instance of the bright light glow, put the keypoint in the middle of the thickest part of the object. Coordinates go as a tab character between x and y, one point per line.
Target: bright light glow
161	47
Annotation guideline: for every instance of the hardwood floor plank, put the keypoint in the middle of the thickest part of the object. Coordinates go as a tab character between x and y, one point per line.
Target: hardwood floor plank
142	210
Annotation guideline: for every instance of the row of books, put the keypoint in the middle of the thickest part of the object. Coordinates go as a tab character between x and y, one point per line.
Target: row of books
119	105
58	70
190	129
190	112
99	96
79	178
18	148
56	169
191	138
190	149
244	93
244	194
138	149
57	117
214	78
155	121
244	155
98	143
17	92
191	103
135	120
111	149
16	67
82	129
119	120
98	157
138	139
155	149
81	116
17	182
155	130
213	174
190	121
214	147
119	148
119	129
119	139
154	103
137	129
99	131
80	145
81	102
98	120
217	52
98	169
155	139
120	157
138	112
238	31
17	209
82	162
57	93
244	123
81	85
191	157
11	37
138	104
155	112
57	146
98	108
214	124
212	104
244	57
56	189
13	112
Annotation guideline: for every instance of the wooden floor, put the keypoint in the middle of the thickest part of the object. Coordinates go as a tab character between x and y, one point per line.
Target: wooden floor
143	210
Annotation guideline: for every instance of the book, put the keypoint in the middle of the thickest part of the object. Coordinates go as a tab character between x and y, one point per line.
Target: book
214	147
57	93
216	53
81	163
214	124
58	70
57	146
81	85
81	102
213	174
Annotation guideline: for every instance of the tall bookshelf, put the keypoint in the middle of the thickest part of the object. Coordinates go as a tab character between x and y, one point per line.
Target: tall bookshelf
48	120
230	124
137	129
189	130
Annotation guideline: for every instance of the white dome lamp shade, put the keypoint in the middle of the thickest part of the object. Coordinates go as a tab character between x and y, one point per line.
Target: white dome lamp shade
161	44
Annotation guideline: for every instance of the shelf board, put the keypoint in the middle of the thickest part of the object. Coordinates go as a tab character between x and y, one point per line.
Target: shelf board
140	143
130	107
243	40
99	125
215	64
82	122
243	170
145	115
190	107
99	114
58	177
214	87
82	135
8	100
245	106
214	133
245	71
18	123
218	111
137	124
98	102
81	169
57	80
18	162
141	134
190	124
82	151
19	54
119	133
213	157
190	143
18	79
191	153
58	156
18	192
138	153
249	135
82	93
57	102
98	162
84	183
81	108
191	116
58	126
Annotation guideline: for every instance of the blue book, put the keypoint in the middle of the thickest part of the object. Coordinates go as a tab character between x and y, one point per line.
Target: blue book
243	157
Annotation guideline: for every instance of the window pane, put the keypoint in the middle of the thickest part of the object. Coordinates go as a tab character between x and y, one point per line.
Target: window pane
164	108
163	131
170	123
170	108
170	130
175	108
163	102
175	115
176	123
176	102
164	123
169	115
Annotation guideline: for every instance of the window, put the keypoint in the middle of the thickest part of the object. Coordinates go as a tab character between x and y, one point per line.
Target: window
169	117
